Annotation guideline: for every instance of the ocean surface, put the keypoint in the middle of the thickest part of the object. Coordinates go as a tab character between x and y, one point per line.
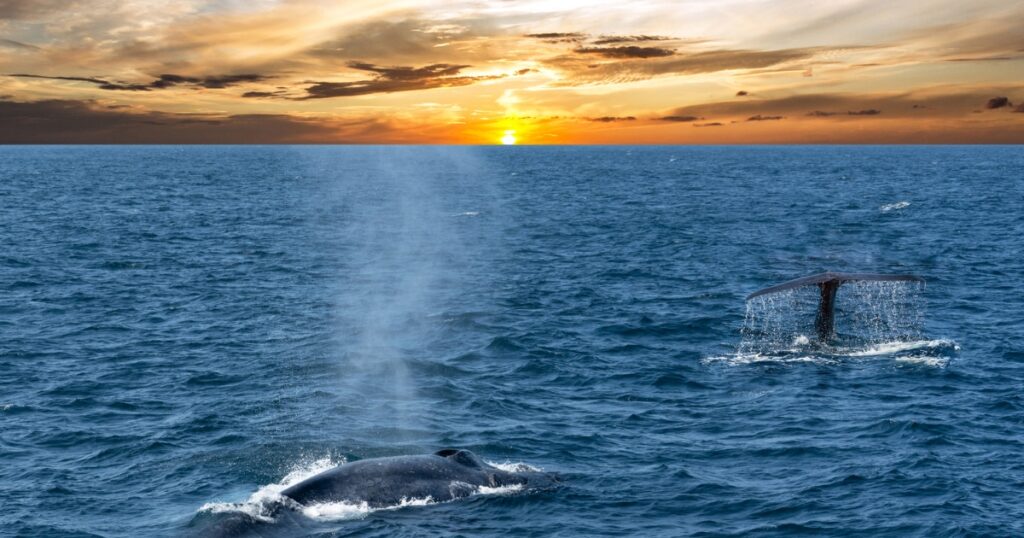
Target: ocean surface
184	331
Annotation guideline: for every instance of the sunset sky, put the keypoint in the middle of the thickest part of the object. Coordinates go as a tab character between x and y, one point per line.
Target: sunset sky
533	72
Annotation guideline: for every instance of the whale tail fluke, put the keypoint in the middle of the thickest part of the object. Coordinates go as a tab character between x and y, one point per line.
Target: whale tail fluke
829	283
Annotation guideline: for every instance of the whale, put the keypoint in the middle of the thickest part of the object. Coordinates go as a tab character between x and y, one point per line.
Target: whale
828	283
380	482
388	482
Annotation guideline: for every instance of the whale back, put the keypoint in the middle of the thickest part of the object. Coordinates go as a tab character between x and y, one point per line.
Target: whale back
388	481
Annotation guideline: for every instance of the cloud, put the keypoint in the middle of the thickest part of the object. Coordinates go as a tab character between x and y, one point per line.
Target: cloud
396	79
759	117
940	102
998	102
680	118
250	95
17	45
71	121
76	79
866	112
210	82
614	39
559	37
742	93
626	52
1020	108
24	9
611	119
414	40
164	81
983	59
579	69
410	73
711	124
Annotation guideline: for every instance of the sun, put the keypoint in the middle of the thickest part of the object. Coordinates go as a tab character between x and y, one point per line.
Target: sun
509	139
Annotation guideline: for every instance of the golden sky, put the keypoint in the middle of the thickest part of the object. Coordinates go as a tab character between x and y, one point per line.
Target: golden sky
537	71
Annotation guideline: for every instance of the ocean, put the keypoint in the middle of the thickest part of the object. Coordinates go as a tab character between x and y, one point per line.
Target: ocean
186	330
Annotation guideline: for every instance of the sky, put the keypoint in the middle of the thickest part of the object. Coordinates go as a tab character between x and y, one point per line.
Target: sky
506	71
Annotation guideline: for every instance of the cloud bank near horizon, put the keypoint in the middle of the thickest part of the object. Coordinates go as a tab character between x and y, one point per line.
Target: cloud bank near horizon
272	71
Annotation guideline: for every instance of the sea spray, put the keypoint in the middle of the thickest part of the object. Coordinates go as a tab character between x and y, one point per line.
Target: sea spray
868	313
404	258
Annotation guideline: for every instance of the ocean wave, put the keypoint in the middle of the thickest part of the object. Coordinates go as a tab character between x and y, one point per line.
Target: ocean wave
894	206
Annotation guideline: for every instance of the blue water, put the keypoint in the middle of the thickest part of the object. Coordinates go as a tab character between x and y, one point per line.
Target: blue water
185	329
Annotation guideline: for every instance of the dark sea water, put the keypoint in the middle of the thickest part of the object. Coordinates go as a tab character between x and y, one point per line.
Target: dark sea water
186	330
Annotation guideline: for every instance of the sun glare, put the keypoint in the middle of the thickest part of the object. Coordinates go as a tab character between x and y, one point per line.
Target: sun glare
509	138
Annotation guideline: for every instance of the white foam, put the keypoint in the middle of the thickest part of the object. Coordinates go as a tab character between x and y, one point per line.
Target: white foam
499	490
833	355
754	358
925	360
340	511
892	207
259	504
468	214
888	348
518	467
343	510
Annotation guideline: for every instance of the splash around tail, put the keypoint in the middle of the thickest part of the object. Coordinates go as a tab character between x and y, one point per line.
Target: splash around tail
831	316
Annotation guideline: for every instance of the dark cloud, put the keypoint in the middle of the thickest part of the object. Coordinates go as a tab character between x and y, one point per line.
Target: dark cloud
567	36
610	119
742	93
164	81
410	73
998	102
100	83
680	118
72	122
712	124
839	105
12	44
395	79
211	82
865	112
76	79
614	39
759	117
626	52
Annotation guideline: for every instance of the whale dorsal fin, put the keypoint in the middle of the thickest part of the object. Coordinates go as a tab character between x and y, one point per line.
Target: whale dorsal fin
460	456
